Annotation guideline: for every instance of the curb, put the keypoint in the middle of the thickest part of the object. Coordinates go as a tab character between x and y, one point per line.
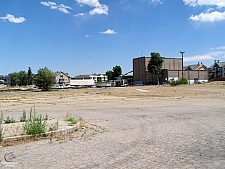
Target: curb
61	131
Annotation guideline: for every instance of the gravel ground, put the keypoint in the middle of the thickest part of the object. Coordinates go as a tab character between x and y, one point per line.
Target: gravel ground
129	132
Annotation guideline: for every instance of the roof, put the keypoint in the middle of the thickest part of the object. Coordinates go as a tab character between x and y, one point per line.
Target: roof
130	73
219	64
199	66
59	72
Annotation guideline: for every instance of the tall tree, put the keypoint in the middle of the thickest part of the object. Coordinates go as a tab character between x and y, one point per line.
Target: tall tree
44	79
29	76
117	71
155	65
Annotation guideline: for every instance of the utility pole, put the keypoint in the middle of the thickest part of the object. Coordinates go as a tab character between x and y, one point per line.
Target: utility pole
182	64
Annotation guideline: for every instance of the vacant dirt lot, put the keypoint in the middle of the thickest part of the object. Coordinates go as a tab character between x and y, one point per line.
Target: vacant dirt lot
132	127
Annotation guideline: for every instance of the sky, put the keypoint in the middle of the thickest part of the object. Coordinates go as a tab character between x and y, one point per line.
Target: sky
92	36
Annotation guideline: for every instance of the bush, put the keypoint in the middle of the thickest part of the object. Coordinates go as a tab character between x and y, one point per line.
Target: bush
178	82
183	81
35	124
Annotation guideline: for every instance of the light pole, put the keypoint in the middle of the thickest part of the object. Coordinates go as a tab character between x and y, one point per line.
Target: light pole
182	64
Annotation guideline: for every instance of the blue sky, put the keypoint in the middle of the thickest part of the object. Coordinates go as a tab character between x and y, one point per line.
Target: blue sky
92	36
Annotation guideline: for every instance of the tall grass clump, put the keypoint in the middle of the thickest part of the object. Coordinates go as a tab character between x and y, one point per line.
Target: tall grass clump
23	117
35	124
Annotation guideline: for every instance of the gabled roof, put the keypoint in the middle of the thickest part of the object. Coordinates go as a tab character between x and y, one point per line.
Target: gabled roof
217	64
199	66
59	72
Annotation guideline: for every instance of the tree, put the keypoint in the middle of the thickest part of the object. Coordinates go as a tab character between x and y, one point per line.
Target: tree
155	65
18	78
115	72
14	78
29	76
109	73
44	79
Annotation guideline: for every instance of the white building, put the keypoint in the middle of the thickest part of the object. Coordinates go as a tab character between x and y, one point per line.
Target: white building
96	77
62	78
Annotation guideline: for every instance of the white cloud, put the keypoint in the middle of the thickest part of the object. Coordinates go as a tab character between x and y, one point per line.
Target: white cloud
87	36
157	1
109	31
215	54
98	8
103	9
63	8
218	3
209	17
198	57
11	18
219	48
79	14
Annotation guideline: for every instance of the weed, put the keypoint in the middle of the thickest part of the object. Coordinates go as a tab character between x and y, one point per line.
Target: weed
24	116
70	120
9	120
46	117
35	124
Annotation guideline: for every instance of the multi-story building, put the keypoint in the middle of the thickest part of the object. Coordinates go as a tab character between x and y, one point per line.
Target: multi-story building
217	70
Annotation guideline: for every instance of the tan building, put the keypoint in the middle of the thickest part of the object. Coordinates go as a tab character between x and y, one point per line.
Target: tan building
171	69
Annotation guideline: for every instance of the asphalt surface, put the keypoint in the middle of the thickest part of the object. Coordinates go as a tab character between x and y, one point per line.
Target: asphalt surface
134	133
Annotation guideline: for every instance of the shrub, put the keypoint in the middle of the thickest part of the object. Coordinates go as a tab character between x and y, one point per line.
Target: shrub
35	124
181	81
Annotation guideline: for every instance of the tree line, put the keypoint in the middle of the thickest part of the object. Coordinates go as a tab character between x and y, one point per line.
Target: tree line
44	79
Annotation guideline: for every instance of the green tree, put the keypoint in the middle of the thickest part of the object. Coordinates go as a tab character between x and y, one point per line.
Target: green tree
117	71
109	73
44	79
18	78
14	78
155	65
29	76
23	78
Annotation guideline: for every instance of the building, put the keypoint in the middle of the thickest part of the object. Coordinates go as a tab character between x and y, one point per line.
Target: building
217	70
62	78
199	66
171	69
96	77
5	80
83	83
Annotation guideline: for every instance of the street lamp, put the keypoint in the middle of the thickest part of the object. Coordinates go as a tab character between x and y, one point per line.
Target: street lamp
182	64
